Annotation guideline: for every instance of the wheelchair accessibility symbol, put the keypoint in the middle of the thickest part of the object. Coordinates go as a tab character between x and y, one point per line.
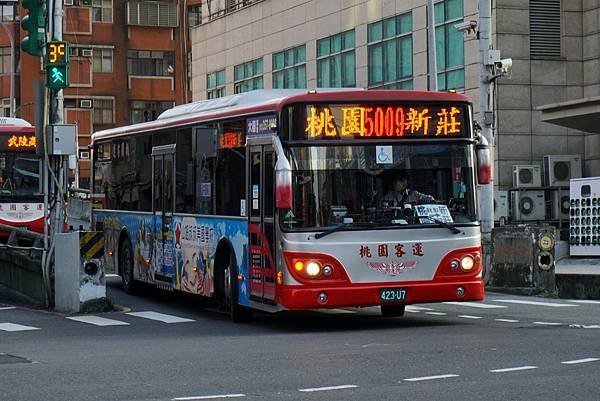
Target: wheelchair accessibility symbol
385	155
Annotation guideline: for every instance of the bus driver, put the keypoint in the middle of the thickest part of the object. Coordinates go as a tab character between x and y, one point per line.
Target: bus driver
401	194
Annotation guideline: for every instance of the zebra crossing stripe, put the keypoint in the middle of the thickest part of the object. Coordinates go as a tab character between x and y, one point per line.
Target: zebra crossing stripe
476	305
98	321
536	303
161	317
16	327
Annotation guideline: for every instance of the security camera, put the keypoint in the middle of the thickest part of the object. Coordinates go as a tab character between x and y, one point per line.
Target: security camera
504	65
466	26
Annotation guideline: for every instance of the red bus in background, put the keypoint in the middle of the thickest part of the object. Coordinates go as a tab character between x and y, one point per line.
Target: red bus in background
21	198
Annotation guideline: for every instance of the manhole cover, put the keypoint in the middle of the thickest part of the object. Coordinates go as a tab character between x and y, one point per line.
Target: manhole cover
6	359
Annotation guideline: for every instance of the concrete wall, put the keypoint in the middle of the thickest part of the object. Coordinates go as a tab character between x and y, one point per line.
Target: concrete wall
522	137
21	276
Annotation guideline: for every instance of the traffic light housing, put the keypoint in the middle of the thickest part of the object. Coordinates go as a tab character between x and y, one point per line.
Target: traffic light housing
35	25
57	64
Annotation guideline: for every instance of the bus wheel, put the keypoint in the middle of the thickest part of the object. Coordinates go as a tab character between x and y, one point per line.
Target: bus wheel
239	313
126	266
392	310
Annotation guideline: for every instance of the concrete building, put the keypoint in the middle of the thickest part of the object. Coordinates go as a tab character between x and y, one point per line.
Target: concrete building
244	44
128	63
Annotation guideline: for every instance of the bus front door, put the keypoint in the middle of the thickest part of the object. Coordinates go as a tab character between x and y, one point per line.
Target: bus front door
163	195
261	193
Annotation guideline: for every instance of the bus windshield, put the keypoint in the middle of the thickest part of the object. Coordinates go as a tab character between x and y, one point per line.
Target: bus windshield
380	185
19	176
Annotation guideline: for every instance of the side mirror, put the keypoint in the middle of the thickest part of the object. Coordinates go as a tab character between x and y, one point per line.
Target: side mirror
484	163
283	177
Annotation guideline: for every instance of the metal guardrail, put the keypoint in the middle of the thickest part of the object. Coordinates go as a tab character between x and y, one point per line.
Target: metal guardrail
230	6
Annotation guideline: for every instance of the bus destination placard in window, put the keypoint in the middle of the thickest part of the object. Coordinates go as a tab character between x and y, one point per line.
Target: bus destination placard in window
382	121
17	142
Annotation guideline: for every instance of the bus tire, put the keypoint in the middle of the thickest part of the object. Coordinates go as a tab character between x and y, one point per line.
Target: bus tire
239	313
126	266
392	310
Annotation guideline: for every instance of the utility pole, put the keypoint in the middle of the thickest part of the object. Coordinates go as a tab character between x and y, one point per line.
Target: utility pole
431	54
486	192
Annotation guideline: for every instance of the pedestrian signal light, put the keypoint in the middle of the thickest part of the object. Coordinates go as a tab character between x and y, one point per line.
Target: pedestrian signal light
57	64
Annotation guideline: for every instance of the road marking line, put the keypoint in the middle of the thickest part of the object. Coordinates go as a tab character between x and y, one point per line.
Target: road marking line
521	302
98	321
342	387
583	326
513	369
470	317
507	320
161	317
583	301
548	323
414	308
436	313
476	305
208	397
417	379
16	327
585	360
7	307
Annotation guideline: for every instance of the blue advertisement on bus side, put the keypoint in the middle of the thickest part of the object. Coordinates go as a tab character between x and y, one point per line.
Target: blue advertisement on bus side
182	257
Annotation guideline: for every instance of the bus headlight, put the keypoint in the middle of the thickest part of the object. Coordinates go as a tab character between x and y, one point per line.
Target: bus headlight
467	263
313	269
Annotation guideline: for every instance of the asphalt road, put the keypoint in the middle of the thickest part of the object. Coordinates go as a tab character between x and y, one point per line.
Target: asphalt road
165	347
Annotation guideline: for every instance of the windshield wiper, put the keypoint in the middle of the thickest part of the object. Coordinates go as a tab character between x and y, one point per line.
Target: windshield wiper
442	223
341	227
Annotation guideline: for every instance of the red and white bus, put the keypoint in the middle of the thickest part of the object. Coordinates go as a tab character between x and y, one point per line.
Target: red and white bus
21	199
277	200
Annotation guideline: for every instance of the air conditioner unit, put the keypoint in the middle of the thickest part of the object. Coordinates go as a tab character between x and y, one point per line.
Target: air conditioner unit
84	154
559	169
86	52
559	204
73	51
85	2
526	176
85	103
527	205
501	207
68	2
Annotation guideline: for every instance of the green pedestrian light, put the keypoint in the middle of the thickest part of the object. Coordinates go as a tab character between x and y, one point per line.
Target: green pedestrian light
57	65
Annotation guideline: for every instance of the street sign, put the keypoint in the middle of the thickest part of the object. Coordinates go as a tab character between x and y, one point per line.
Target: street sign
57	64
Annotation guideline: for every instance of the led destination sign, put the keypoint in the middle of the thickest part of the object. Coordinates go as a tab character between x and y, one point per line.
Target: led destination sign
382	121
17	142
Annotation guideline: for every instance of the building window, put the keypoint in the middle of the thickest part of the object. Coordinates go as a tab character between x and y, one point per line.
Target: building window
150	63
103	111
141	111
390	53
450	46
102	11
248	76
5	60
215	84
336	66
8	13
289	68
102	60
152	13
194	15
5	107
